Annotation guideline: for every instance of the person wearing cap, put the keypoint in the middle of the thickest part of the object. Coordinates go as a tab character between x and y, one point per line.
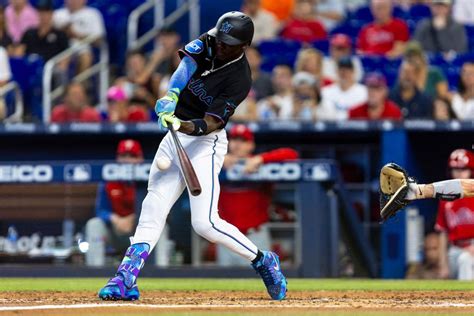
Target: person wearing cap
341	46
386	35
266	23
115	209
75	107
441	33
256	197
341	96
212	79
303	26
413	103
306	98
43	40
378	106
120	110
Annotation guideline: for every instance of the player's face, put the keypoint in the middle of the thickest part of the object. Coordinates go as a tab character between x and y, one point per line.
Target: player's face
226	52
129	158
240	147
461	173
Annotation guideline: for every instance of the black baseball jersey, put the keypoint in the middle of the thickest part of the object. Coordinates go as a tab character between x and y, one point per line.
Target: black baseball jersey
215	88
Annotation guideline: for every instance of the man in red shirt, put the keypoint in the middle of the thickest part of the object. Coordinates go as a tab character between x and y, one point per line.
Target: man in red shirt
386	35
75	107
246	205
378	106
115	210
455	222
303	26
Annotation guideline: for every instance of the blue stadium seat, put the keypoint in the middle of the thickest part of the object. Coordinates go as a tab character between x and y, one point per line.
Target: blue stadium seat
371	63
364	14
419	11
322	46
452	73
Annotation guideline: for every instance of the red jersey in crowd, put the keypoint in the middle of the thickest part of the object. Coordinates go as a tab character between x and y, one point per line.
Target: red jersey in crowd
304	31
115	197
456	218
245	205
61	114
377	39
391	112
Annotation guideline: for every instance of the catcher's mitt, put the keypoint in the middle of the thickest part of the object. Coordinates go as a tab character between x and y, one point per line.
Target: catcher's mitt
394	182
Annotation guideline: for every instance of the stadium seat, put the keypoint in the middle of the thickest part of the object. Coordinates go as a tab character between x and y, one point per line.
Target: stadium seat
419	11
322	46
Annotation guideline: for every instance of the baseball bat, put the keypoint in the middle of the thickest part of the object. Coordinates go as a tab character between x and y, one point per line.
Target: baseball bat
192	181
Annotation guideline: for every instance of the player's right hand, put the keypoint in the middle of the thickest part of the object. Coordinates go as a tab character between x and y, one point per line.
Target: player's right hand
168	102
166	118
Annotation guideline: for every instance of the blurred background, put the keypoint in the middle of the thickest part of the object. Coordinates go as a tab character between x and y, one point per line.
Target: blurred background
339	89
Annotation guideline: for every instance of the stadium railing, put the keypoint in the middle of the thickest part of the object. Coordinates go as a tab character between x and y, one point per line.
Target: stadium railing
101	67
17	114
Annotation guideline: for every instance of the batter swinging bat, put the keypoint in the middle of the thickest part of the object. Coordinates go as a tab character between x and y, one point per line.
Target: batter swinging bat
192	181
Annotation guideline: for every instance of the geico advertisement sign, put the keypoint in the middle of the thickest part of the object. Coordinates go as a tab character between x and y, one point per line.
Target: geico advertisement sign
267	172
125	172
26	173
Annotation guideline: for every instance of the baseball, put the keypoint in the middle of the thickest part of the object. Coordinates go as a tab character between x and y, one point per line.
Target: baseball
163	163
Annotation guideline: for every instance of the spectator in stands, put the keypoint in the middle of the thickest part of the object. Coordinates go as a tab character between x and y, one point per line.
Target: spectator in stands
442	110
80	21
311	60
429	269
463	12
265	23
463	100
340	46
386	35
247	109
281	102
5	76
261	81
75	107
413	103
306	98
430	79
378	106
330	12
20	16
119	109
162	59
43	40
455	224
115	209
303	26
441	34
252	219
5	39
339	97
282	9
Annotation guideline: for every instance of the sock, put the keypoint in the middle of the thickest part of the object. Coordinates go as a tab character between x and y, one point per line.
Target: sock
258	257
132	263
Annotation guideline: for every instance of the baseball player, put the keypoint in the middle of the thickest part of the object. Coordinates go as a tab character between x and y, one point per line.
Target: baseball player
211	80
455	218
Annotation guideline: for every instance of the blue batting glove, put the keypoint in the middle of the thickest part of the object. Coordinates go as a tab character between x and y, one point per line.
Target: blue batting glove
168	102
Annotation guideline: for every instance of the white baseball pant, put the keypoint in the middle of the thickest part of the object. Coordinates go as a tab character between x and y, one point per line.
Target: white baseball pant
164	188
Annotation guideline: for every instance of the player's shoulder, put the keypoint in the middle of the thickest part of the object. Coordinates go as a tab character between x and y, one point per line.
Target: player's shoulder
198	45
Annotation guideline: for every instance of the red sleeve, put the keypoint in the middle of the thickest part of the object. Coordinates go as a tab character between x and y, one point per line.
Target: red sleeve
319	31
395	112
356	113
441	224
57	115
90	115
281	154
401	31
361	39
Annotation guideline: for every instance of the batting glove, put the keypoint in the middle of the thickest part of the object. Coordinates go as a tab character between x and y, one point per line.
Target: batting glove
166	118
168	102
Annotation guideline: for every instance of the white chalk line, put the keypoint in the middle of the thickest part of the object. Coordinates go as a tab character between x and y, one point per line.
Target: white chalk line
217	306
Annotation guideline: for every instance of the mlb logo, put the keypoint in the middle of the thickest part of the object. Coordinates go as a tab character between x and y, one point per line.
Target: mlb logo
226	27
77	173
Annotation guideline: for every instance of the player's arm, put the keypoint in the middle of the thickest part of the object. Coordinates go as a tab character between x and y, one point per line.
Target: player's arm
281	154
445	190
200	127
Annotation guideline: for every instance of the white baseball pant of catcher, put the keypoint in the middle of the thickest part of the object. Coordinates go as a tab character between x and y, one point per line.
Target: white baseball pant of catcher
165	187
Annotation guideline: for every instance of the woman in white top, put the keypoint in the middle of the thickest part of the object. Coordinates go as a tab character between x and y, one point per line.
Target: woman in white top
463	100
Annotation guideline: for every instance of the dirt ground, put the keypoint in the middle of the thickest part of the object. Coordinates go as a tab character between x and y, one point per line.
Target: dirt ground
431	302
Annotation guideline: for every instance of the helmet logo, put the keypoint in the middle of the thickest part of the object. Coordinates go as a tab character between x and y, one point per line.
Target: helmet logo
226	27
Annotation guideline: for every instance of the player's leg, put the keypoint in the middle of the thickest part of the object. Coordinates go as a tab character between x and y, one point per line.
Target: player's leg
206	222
164	188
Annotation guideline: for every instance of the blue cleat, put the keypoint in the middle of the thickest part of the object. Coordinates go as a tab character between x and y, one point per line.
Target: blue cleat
123	286
116	290
269	269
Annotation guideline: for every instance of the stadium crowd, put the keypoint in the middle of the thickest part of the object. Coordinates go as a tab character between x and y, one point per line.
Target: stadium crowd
310	59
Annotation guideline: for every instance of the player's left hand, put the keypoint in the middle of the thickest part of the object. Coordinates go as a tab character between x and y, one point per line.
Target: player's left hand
252	164
166	118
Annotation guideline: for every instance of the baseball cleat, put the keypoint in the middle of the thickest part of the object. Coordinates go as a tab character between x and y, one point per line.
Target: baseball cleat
116	290
269	269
